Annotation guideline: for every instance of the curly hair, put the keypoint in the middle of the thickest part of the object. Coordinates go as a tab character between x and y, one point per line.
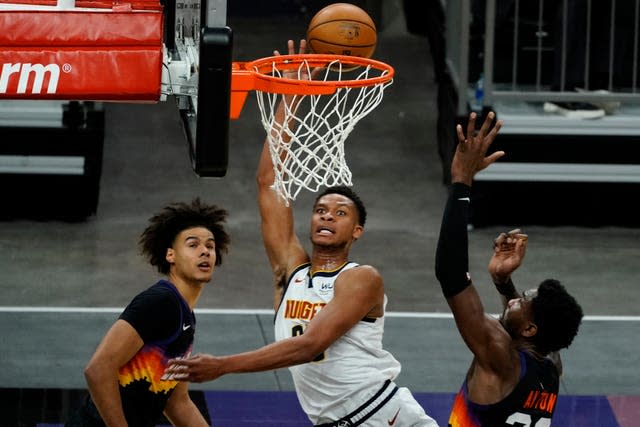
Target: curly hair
557	316
174	218
350	194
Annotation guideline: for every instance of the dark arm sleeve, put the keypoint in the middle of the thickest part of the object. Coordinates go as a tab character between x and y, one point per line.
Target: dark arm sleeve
452	253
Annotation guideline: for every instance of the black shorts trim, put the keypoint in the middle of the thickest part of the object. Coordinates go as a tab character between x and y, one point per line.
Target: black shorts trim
367	409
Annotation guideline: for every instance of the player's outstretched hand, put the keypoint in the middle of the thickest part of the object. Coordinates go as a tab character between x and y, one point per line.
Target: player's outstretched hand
291	47
302	72
508	253
197	369
471	153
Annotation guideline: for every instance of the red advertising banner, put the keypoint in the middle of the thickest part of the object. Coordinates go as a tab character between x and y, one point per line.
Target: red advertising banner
100	55
98	4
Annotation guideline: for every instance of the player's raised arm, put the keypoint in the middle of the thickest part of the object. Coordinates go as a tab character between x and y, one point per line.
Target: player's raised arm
479	331
511	353
281	243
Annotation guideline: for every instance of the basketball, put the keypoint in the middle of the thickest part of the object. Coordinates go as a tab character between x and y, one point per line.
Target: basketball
342	29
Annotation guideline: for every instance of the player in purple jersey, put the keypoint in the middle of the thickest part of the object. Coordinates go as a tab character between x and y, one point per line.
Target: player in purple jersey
185	242
514	376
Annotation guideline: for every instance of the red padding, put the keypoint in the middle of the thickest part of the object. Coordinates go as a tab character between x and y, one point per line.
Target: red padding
70	28
101	56
96	4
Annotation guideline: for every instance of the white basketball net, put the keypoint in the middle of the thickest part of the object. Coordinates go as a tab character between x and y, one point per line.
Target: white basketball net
307	147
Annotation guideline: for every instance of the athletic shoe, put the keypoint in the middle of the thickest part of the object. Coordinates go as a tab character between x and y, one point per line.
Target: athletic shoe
609	107
574	110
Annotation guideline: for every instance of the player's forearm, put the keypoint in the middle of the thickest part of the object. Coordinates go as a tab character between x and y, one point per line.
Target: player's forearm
452	253
105	393
265	174
506	289
281	354
185	414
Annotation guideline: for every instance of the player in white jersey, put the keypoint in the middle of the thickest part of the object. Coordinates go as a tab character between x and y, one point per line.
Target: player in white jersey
357	357
329	316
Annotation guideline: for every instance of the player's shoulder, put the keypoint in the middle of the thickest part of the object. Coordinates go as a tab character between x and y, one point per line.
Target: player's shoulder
161	288
365	269
364	273
160	293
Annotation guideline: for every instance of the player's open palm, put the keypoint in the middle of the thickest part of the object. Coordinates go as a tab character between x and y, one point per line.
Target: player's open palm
471	152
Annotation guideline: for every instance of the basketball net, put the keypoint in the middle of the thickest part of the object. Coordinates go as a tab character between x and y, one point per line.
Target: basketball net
307	146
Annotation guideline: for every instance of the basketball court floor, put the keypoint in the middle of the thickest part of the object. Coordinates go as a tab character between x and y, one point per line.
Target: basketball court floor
64	283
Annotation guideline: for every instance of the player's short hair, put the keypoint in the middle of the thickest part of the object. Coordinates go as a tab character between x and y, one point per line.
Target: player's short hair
173	219
347	192
557	316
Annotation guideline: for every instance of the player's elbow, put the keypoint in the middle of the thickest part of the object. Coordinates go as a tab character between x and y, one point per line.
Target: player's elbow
446	275
96	373
452	282
92	373
265	177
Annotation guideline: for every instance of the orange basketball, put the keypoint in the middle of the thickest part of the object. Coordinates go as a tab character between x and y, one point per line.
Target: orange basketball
342	29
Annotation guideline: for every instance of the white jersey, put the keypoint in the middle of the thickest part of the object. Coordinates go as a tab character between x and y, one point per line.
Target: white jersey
353	368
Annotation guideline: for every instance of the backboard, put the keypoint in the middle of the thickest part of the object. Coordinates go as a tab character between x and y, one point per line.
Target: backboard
199	46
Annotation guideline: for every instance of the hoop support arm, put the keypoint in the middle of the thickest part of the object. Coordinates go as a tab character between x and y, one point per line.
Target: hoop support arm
242	81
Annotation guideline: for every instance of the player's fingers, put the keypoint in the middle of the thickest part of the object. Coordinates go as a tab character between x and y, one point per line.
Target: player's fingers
290	47
517	233
494	132
181	365
303	46
521	246
459	133
175	373
316	72
499	240
487	124
471	126
493	157
497	127
180	377
512	234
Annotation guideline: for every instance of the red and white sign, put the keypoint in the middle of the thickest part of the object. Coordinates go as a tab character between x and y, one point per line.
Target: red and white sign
100	55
